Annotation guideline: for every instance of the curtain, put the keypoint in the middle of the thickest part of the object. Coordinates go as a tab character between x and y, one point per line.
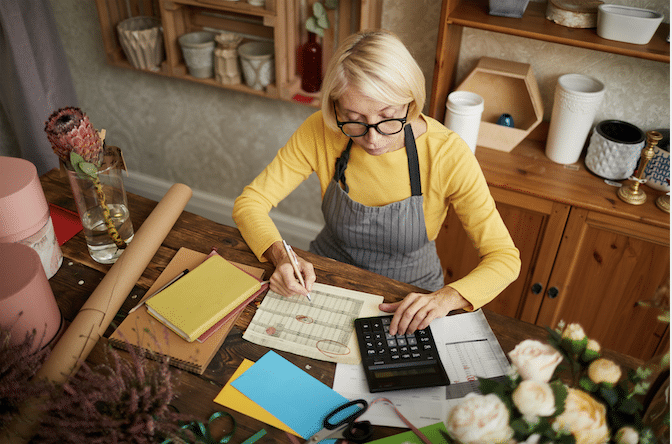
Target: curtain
34	76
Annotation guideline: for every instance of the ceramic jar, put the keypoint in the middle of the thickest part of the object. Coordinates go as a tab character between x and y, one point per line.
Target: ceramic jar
614	149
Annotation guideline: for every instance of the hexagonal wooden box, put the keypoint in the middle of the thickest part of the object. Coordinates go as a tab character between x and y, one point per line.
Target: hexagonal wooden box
506	87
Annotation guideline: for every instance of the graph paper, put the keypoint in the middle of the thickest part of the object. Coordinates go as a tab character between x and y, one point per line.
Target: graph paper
321	329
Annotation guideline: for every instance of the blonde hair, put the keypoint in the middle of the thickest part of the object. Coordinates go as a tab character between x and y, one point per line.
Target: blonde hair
377	64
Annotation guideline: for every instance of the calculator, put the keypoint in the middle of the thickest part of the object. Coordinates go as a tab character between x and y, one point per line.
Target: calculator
396	362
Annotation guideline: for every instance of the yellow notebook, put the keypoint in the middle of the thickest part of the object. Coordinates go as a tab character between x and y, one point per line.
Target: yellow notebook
197	301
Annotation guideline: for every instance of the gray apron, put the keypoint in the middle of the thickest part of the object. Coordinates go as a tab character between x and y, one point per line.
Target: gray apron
390	240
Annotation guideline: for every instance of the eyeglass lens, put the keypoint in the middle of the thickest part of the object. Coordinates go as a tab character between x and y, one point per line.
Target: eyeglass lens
386	127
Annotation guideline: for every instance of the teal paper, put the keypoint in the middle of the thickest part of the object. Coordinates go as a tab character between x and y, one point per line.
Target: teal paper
288	393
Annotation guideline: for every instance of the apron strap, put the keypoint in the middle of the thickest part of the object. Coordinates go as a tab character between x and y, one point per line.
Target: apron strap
341	165
413	164
411	154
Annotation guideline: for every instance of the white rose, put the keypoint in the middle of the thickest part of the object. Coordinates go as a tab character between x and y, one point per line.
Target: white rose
627	435
574	332
534	399
480	419
603	370
535	360
584	418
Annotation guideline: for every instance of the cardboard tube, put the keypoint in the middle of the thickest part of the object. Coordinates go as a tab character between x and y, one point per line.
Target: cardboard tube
99	310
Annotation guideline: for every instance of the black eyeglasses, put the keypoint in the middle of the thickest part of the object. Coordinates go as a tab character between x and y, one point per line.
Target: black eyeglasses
385	127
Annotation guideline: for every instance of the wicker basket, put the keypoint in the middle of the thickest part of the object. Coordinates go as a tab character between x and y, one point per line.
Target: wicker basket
142	41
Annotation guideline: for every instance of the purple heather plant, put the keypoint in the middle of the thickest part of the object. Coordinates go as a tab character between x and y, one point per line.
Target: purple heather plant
121	401
18	366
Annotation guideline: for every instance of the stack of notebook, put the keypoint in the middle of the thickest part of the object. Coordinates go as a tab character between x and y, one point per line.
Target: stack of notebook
189	320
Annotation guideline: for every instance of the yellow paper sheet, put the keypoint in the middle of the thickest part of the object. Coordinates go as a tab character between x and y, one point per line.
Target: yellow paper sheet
233	399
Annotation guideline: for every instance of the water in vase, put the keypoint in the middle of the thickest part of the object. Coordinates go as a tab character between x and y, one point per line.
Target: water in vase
101	246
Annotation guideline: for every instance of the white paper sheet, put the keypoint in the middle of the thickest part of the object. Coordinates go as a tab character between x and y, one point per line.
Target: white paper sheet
468	349
321	329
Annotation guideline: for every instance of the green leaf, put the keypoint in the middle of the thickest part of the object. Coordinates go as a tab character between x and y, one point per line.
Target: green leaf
609	394
75	159
630	406
587	384
318	10
311	26
560	393
323	22
89	169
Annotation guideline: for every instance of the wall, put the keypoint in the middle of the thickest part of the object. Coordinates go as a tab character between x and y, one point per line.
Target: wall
217	141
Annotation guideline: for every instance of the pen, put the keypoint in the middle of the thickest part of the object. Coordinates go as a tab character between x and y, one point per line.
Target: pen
171	282
295	264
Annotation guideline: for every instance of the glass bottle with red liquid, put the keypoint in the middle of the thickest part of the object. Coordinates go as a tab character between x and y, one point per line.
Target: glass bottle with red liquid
311	60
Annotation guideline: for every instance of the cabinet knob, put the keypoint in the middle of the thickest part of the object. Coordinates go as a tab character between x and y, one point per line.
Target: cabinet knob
536	288
553	292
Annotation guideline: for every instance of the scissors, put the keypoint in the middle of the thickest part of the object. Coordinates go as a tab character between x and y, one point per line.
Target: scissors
346	428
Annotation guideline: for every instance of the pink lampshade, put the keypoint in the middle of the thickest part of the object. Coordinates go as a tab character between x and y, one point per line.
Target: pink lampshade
26	300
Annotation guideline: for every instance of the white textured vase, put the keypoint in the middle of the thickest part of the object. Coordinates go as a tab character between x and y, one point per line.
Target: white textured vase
577	99
614	149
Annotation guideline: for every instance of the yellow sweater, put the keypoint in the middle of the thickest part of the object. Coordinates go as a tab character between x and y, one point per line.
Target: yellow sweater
449	174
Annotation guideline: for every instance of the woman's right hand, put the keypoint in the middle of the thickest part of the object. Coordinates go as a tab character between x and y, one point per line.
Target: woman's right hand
283	280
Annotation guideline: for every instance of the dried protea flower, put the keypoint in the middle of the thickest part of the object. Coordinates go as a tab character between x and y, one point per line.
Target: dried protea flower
69	130
79	146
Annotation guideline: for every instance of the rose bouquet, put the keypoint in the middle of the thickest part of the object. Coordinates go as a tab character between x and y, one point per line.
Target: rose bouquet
534	406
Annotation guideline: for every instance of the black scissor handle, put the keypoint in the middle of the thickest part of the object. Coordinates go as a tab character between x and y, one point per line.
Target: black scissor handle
350	418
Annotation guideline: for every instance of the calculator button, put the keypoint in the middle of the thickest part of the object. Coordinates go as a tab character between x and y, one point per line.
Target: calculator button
415	355
376	324
391	343
395	357
386	321
405	356
366	326
412	341
378	336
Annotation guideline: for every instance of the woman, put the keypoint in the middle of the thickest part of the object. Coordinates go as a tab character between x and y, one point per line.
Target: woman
383	205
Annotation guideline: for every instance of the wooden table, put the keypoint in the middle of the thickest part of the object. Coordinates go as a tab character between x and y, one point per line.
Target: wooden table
79	275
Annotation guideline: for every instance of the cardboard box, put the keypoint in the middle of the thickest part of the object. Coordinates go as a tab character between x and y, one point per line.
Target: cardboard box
506	87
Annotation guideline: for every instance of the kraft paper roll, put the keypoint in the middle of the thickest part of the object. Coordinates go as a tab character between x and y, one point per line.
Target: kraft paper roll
99	310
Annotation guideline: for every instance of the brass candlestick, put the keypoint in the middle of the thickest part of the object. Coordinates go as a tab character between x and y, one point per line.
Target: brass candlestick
663	202
632	193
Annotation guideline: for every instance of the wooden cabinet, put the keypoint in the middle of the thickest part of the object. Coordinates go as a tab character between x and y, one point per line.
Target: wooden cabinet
587	257
278	20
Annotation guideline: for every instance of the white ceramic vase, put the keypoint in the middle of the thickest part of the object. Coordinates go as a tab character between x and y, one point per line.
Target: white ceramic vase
463	115
577	99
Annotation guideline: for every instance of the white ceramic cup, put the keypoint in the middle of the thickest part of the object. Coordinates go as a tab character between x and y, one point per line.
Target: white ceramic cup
577	99
463	115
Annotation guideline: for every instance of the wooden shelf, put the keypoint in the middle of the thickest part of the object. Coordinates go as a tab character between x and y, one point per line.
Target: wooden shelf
534	25
278	20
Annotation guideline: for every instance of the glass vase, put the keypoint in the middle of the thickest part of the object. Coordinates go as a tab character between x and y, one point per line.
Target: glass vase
103	208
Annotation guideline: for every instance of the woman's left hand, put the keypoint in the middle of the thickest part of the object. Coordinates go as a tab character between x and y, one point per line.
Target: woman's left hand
417	310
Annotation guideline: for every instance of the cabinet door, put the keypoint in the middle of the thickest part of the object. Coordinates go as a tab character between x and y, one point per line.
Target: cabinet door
604	267
536	228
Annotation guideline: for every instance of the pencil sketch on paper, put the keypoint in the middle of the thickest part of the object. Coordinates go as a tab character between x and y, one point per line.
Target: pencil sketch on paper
321	329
